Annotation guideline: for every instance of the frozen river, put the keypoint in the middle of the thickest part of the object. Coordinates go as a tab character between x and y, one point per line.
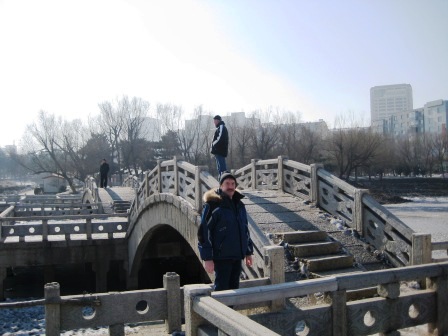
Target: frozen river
425	215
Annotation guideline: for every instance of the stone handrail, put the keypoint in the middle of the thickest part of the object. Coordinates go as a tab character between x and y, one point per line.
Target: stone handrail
391	311
15	229
359	211
396	306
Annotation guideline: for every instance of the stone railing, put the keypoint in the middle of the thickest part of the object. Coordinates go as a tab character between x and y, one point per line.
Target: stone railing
41	228
396	307
117	308
90	184
56	209
359	211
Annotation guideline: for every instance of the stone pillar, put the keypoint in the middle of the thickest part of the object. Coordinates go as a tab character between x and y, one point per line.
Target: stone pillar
274	270
101	267
358	210
52	309
159	176
421	250
440	285
339	312
314	185
147	189
253	173
192	319
197	188
176	177
171	282
280	176
3	274
116	329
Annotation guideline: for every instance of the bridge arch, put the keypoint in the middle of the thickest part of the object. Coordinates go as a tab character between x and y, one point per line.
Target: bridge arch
166	227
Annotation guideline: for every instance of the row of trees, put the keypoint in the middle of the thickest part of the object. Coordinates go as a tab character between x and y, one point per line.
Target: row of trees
73	149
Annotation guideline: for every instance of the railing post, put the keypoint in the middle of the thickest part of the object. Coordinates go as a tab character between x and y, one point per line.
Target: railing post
176	177
280	176
314	185
159	176
44	229
339	312
192	319
274	257
146	184
116	329
421	250
440	285
52	309
197	187
89	228
171	282
357	213
253	173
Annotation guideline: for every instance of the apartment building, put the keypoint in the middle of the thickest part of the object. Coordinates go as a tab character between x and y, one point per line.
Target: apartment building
390	100
436	113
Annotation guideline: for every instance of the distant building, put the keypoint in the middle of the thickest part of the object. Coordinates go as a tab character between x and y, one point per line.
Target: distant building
404	123
436	114
389	100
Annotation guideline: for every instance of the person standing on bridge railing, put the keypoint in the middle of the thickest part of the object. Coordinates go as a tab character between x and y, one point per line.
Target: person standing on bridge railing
104	170
220	144
223	235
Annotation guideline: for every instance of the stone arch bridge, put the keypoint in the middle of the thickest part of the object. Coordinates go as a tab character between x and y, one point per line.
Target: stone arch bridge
287	202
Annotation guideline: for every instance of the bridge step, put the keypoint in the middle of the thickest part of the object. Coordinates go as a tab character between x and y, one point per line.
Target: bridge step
121	206
304	236
315	249
328	262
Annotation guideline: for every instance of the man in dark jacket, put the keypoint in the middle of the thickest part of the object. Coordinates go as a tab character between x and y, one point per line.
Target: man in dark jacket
223	234
220	144
104	170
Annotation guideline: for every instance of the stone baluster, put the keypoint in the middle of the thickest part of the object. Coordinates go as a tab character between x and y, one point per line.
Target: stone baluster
280	176
159	176
314	185
52	309
171	282
253	173
176	177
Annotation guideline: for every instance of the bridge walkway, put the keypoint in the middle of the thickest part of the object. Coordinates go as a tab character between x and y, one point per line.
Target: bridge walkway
116	199
316	244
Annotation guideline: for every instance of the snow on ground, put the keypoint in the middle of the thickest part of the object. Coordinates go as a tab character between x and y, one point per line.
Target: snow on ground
425	215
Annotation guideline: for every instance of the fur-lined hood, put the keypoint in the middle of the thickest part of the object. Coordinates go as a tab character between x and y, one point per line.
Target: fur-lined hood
214	195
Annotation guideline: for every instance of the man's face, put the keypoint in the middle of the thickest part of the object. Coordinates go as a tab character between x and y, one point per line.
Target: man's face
216	122
228	186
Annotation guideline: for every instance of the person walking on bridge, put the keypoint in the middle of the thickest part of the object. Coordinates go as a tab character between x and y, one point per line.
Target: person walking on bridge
220	144
223	235
104	170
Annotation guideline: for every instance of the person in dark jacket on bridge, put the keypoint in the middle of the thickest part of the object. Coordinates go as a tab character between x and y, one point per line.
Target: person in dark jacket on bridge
223	235
220	144
104	170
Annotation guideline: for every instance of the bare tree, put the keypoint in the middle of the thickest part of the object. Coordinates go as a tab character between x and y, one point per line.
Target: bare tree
440	147
50	146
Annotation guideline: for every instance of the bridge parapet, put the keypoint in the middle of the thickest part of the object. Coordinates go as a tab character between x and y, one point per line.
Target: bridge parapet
359	211
176	177
55	228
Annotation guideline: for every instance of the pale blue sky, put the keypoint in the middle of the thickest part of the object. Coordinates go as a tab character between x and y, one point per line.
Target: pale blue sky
318	57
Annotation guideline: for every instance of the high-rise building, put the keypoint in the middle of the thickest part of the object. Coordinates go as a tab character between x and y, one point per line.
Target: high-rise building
389	100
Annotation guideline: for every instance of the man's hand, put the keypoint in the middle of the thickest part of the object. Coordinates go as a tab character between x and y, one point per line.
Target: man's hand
249	261
209	266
